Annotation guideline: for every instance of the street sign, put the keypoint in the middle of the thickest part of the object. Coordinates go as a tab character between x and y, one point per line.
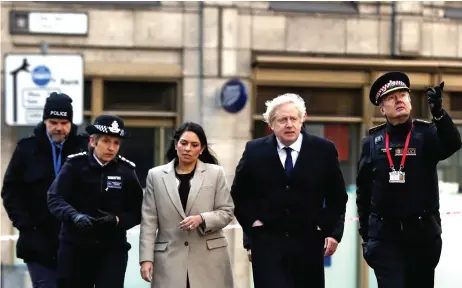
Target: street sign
31	78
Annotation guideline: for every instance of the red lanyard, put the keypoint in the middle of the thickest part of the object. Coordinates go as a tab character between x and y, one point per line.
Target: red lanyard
406	145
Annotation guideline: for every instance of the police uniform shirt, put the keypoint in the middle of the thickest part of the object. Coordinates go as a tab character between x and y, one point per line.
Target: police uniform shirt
99	162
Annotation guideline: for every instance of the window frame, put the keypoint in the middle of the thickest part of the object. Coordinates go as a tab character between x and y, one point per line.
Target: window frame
340	7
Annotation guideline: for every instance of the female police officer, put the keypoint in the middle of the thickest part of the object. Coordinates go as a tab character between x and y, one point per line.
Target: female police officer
397	196
98	197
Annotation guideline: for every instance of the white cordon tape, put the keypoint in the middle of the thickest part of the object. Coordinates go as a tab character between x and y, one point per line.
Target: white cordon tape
231	226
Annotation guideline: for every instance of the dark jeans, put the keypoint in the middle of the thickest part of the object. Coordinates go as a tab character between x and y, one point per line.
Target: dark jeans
41	276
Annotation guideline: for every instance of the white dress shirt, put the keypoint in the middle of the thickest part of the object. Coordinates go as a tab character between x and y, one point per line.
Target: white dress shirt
296	146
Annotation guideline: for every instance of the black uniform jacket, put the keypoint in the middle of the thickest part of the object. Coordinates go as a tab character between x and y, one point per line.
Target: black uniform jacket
84	186
24	193
314	195
416	201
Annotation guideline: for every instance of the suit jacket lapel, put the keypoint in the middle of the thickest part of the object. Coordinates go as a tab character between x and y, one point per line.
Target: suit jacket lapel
172	189
196	183
307	154
273	154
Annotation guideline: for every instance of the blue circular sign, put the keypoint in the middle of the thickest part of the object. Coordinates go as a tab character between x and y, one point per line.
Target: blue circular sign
41	75
233	96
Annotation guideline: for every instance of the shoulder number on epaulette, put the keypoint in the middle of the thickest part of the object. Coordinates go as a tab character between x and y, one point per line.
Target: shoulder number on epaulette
76	155
373	129
422	122
127	161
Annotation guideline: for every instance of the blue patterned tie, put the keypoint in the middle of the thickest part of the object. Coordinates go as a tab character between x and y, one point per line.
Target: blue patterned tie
288	165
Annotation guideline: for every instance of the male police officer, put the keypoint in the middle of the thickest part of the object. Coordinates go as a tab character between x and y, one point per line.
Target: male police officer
397	196
33	167
98	198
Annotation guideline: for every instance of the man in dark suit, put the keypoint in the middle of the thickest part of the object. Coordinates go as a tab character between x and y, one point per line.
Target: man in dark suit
289	196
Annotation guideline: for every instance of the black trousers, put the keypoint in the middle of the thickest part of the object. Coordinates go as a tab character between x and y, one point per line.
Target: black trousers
91	266
400	263
281	260
41	276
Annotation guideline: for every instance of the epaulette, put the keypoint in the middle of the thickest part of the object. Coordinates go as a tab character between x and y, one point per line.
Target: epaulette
127	161
76	155
373	129
422	122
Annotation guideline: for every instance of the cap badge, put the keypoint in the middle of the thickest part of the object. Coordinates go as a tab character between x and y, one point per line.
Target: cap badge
114	127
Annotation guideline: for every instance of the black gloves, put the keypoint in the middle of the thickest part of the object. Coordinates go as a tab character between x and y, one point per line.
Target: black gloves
82	221
435	95
107	220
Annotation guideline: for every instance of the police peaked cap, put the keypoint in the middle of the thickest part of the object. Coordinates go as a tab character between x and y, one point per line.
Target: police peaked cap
109	125
387	83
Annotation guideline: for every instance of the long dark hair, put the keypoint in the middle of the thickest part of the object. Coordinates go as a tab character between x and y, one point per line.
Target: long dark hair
207	155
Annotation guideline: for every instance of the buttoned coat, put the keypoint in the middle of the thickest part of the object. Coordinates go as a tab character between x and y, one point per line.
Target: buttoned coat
202	253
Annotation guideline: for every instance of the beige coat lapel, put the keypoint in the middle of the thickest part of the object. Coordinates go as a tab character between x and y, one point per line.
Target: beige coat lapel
196	183
172	189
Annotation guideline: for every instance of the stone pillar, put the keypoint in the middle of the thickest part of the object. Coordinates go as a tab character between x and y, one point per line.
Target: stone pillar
226	55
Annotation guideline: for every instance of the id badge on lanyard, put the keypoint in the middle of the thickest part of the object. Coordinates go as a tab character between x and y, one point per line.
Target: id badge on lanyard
397	176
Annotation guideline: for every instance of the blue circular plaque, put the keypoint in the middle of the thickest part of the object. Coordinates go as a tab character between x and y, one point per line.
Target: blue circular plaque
233	96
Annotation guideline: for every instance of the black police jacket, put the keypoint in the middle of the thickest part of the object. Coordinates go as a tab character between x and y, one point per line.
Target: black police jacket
24	193
413	206
84	186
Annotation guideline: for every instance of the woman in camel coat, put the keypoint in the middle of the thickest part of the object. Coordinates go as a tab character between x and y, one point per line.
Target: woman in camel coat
188	202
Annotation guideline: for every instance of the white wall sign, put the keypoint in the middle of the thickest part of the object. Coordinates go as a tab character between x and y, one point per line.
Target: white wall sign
48	23
58	23
31	78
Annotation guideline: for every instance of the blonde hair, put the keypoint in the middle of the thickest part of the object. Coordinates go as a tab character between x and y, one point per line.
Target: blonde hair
272	105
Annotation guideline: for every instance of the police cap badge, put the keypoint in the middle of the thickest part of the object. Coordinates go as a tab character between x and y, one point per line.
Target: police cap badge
109	125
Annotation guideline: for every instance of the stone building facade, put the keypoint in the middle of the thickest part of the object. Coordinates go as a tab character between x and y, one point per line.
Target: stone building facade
161	64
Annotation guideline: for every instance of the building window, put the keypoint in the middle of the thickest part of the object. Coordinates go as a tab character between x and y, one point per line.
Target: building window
450	169
455	103
318	101
140	149
453	12
87	94
340	7
346	139
116	4
140	96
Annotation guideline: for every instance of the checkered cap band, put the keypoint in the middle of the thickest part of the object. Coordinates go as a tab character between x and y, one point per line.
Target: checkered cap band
101	128
109	130
390	85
